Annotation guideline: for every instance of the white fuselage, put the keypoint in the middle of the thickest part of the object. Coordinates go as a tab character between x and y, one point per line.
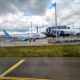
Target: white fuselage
22	36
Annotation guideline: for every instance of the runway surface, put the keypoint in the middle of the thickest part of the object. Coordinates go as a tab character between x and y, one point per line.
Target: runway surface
50	68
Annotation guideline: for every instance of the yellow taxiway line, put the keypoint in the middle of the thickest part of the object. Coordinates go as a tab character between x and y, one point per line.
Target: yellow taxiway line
2	76
12	68
20	78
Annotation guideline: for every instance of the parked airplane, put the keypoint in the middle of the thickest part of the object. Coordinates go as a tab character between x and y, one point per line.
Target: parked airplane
62	31
22	37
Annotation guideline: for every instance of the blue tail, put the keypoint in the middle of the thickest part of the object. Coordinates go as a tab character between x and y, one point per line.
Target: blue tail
7	35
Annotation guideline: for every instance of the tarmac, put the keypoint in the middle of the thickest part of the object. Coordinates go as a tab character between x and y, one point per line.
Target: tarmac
23	43
38	42
57	68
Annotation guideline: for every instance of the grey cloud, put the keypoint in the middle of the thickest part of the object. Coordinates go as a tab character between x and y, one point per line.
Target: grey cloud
14	29
6	7
32	6
35	7
38	7
73	6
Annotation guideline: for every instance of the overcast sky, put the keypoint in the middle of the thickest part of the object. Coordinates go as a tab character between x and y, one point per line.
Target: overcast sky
17	15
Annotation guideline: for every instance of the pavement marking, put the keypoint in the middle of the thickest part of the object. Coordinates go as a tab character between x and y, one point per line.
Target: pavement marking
12	68
2	76
20	78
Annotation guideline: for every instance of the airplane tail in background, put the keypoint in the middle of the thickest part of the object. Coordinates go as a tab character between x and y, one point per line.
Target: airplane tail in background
7	35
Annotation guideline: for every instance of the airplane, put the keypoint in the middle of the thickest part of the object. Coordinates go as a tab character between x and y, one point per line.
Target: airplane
22	37
62	31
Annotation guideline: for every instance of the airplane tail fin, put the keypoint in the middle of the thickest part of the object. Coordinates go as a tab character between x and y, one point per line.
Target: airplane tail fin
7	35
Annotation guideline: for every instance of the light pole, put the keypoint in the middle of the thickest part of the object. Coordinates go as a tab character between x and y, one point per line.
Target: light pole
31	28
56	19
37	29
55	15
73	25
